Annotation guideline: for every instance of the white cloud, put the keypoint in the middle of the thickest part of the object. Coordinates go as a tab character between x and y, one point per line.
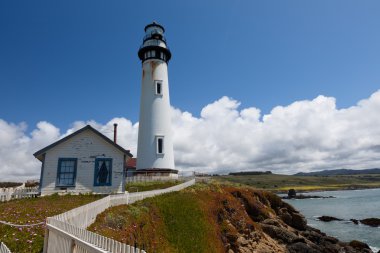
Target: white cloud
16	149
303	136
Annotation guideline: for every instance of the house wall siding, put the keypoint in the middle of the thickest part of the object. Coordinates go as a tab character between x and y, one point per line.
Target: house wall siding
86	147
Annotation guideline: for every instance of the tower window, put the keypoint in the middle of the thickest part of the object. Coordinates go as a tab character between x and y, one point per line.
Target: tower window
160	145
158	87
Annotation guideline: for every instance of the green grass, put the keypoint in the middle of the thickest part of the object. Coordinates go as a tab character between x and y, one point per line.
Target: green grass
173	222
148	186
184	221
30	211
274	182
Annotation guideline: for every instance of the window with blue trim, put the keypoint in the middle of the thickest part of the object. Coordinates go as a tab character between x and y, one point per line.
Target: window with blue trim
103	172
67	170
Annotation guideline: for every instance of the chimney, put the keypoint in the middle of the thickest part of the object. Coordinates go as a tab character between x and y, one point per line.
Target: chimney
114	132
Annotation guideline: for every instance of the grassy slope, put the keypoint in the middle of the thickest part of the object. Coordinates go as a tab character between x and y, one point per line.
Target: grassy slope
202	218
276	182
174	222
30	211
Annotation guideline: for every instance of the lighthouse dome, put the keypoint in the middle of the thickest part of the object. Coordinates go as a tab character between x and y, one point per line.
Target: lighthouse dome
154	44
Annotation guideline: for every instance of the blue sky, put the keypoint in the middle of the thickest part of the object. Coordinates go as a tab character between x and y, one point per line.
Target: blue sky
286	86
77	60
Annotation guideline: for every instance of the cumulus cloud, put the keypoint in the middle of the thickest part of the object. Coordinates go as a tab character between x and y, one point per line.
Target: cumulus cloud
306	135
16	148
303	136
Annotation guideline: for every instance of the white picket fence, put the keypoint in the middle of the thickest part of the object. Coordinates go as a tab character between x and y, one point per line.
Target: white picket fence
149	179
7	194
66	232
4	248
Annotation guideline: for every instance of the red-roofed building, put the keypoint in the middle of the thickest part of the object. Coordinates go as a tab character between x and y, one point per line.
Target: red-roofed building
130	167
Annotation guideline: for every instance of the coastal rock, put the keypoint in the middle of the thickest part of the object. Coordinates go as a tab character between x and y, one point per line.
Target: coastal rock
373	222
298	221
285	216
292	193
300	247
312	236
258	221
301	196
279	233
293	219
363	247
242	241
272	222
328	218
330	239
355	221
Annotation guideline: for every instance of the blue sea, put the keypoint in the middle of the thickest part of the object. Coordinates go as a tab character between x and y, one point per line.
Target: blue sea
357	204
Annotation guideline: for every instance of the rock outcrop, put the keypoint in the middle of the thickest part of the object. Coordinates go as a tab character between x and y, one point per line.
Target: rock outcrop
328	218
259	221
373	222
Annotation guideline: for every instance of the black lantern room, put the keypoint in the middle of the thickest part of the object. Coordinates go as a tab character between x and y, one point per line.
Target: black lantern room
154	44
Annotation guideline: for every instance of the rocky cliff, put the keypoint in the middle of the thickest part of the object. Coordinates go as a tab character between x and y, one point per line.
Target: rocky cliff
259	221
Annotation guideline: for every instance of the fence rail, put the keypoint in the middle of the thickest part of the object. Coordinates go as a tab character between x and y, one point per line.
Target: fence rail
7	194
149	179
4	248
66	232
146	178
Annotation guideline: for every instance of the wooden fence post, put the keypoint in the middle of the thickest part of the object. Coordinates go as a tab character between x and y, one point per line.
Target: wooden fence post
46	239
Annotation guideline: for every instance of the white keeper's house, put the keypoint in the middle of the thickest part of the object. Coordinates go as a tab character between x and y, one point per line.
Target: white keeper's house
84	161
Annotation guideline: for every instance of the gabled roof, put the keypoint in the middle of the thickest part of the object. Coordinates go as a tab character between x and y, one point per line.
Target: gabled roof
39	153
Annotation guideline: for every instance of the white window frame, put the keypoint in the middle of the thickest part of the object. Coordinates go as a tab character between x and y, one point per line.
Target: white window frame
156	82
160	137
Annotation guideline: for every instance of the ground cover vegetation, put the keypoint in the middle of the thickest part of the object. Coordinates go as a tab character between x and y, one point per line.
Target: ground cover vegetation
9	184
173	222
32	211
210	217
282	183
152	185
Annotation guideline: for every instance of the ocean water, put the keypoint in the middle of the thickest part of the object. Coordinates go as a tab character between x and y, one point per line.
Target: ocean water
357	204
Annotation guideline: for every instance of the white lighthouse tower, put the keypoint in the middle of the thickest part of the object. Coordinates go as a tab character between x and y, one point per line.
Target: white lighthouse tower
155	144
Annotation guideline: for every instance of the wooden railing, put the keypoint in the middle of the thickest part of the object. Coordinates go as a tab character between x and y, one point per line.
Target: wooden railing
66	232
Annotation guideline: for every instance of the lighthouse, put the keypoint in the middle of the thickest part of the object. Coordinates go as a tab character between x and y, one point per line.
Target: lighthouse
155	144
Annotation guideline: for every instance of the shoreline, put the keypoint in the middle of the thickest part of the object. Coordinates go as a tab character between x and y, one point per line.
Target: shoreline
341	220
322	189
